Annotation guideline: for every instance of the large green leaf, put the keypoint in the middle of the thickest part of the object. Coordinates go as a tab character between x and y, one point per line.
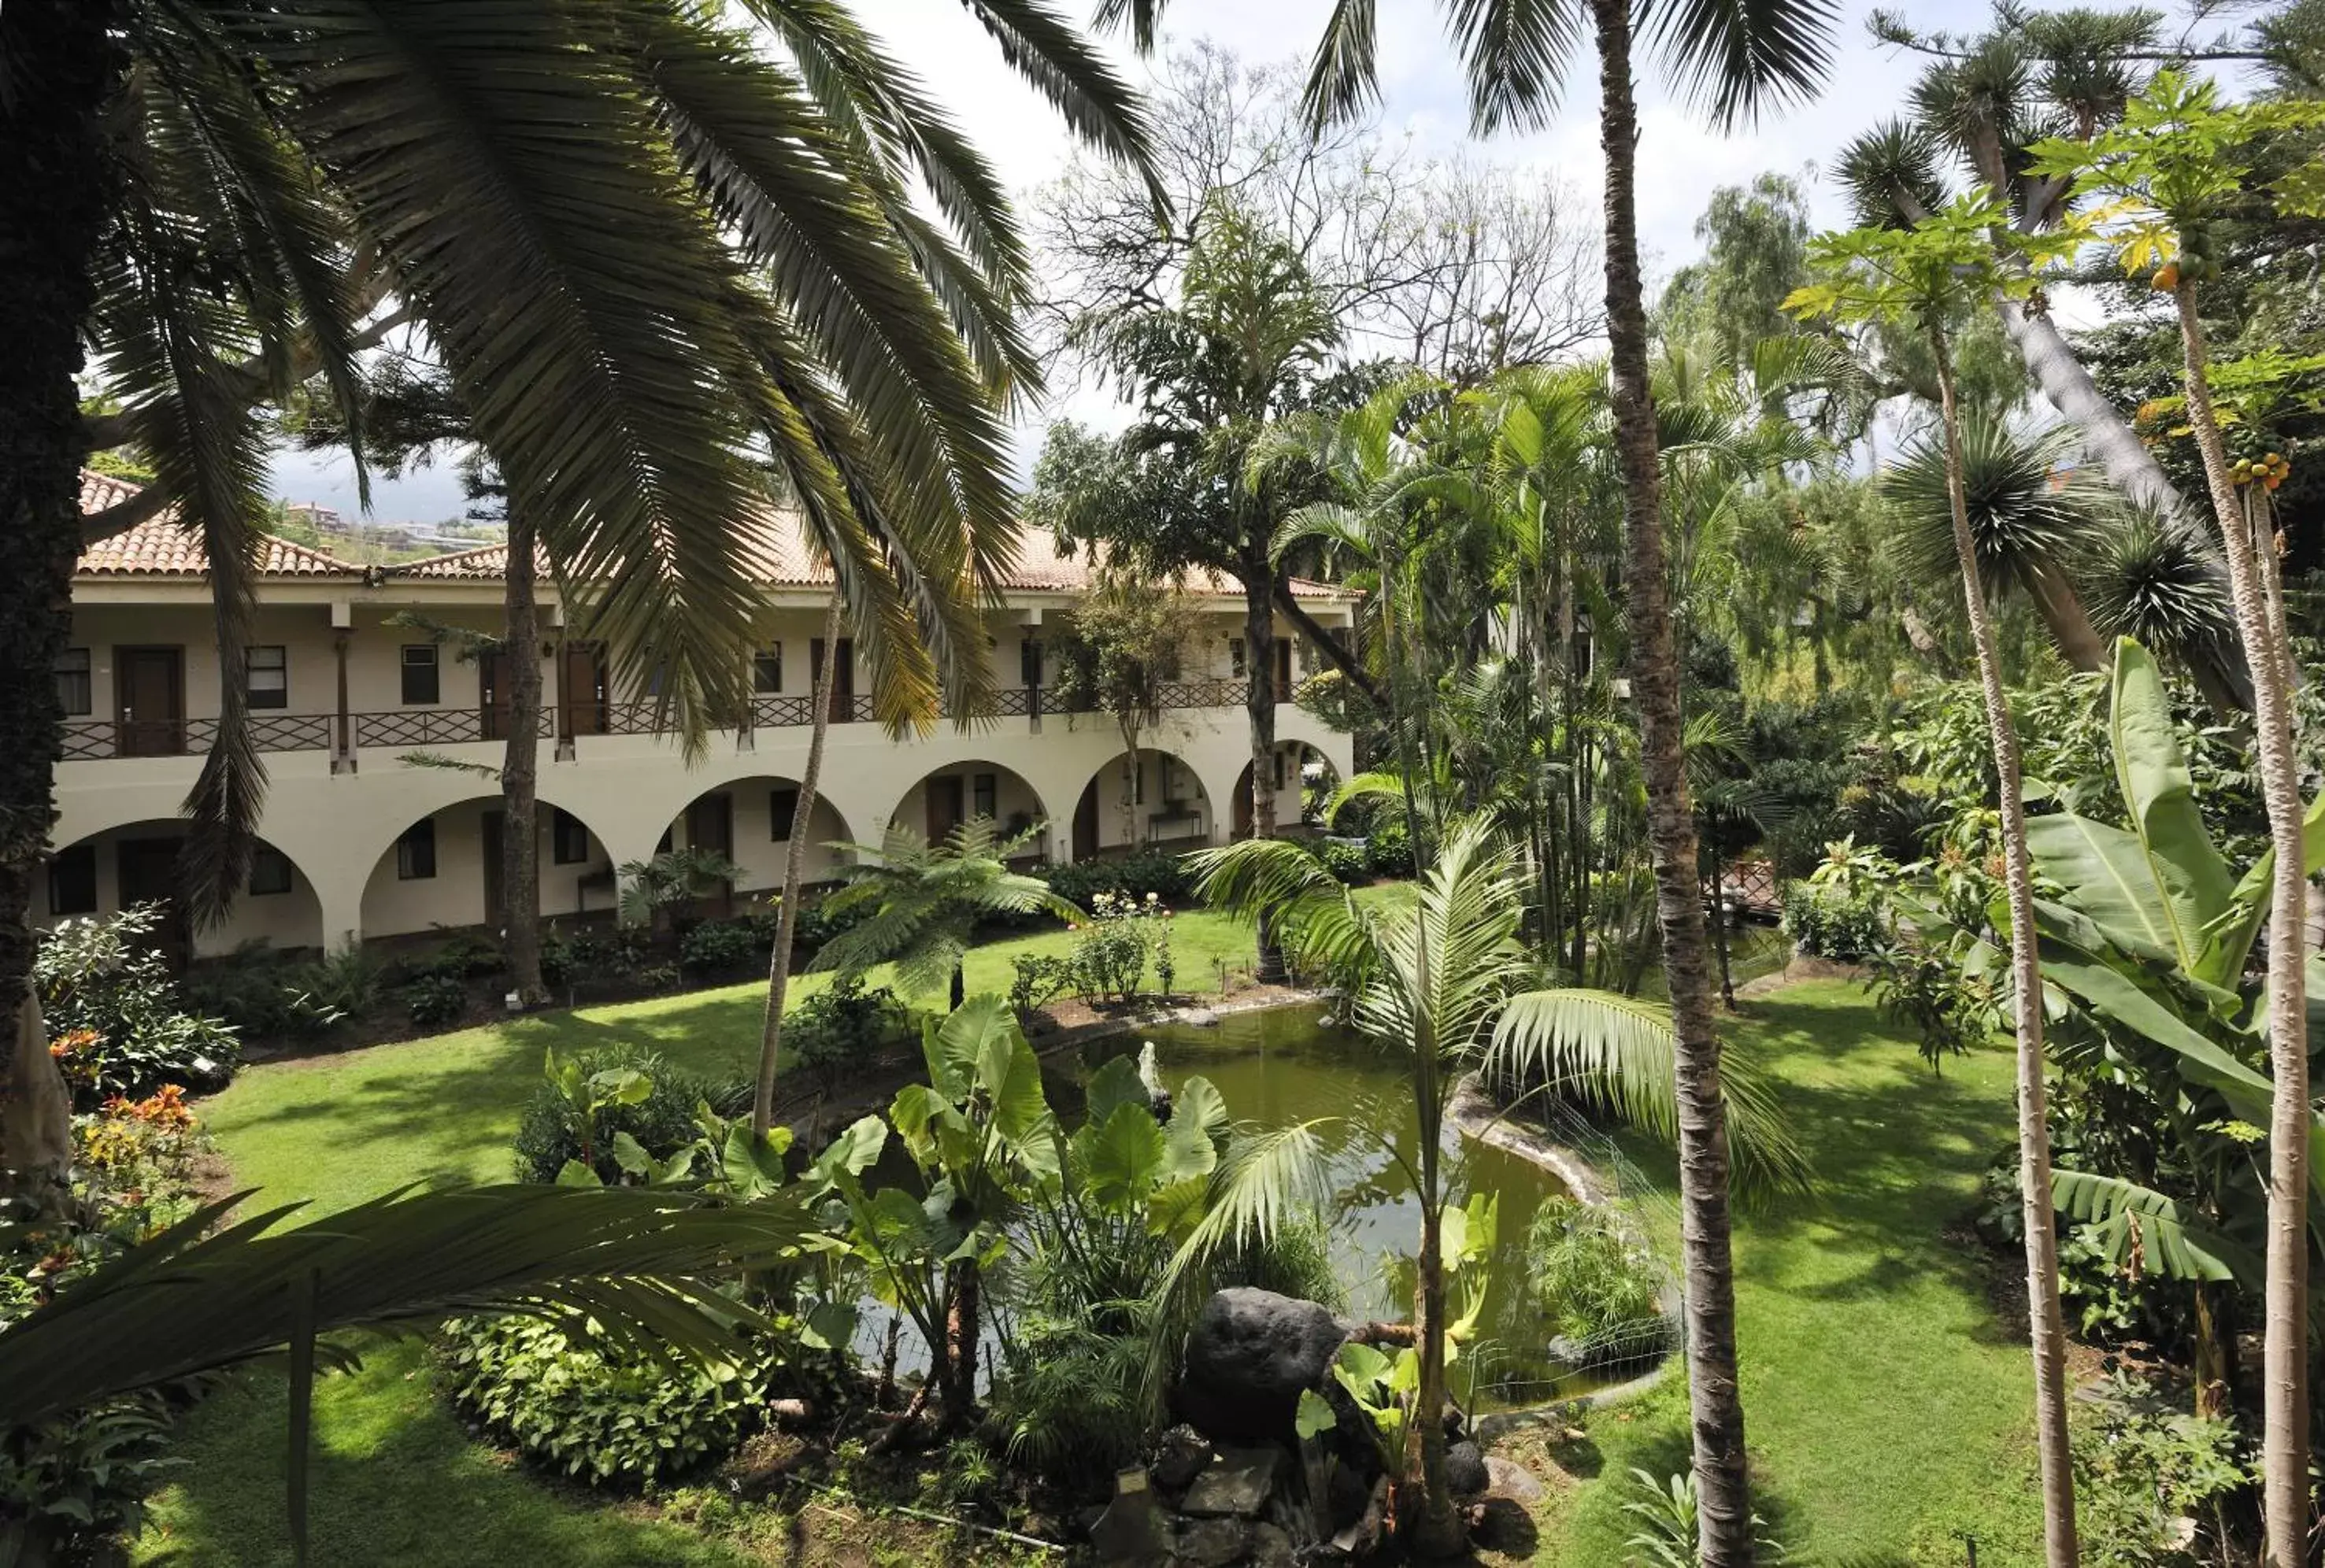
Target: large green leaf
2171	1243
2153	773
2107	875
1115	1084
2115	998
1121	1158
2229	941
1199	1127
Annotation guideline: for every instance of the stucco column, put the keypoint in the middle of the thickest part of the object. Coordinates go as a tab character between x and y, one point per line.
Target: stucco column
342	902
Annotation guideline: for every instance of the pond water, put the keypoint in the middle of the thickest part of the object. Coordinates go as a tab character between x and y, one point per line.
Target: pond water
1286	1065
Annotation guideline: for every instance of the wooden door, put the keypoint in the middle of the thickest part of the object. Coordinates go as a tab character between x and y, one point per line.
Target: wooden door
147	872
492	694
944	807
843	677
710	826
496	825
1086	822
1283	669
149	687
581	690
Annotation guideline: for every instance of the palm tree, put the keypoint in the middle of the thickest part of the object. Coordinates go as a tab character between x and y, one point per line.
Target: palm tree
1920	277
924	901
1443	973
640	1265
223	194
1733	60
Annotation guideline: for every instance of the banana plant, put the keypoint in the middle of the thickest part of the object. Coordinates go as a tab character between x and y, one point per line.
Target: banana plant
2146	951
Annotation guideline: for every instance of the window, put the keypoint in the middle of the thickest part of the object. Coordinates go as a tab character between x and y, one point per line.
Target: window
419	674
985	795
767	670
270	872
1029	662
568	841
1138	780
269	677
72	682
72	880
1235	655
415	852
783	805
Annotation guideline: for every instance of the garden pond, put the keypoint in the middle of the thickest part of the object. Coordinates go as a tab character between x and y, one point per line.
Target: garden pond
1286	1065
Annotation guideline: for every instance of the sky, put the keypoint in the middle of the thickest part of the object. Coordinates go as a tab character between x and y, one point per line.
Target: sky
1682	160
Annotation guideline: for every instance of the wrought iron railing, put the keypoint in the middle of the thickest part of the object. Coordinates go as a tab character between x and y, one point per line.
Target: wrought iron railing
88	739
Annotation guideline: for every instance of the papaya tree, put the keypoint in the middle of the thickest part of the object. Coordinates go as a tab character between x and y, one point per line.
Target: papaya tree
1922	278
2175	163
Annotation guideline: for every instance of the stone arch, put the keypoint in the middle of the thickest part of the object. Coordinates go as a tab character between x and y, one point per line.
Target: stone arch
104	872
1152	796
951	792
1297	761
448	874
748	819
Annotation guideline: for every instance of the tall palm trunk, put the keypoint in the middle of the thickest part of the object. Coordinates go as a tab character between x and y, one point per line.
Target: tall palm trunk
1438	1531
2286	1500
1717	1406
779	963
62	66
1259	704
520	767
2046	1330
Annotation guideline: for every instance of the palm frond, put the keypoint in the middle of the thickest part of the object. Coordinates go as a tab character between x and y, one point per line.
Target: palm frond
1514	54
1614	1056
1736	57
2128	1218
1044	49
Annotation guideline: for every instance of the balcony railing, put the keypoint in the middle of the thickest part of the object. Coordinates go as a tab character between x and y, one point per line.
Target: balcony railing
405	729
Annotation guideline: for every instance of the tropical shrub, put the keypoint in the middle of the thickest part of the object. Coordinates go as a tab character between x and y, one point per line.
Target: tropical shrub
593	952
266	994
1343	857
1114	946
1169	877
1388	848
846	1026
114	1014
554	1128
1843	910
435	1001
1928	988
820	920
602	1413
1035	980
470	955
720	946
2154	1485
1591	1278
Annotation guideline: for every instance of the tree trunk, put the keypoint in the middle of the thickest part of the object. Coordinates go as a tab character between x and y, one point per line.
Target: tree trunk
2216	1350
520	768
1436	1532
1716	1405
960	1353
2129	465
779	962
1259	704
2286	1500
2069	624
1345	659
63	69
2046	1330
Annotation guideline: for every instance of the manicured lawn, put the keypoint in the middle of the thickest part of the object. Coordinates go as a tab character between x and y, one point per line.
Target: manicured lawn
339	1129
1887	1408
396	1480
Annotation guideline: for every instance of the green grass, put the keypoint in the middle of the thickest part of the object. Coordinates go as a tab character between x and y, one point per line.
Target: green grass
396	1480
337	1129
1887	1407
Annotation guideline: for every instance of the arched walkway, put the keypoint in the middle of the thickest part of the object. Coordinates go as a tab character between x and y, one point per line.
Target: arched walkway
136	863
1151	796
947	796
443	868
1304	776
749	821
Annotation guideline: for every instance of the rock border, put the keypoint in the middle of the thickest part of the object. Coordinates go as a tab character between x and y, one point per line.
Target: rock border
1480	1118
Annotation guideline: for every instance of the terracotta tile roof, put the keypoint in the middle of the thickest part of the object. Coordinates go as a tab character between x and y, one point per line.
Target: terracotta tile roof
160	548
777	556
